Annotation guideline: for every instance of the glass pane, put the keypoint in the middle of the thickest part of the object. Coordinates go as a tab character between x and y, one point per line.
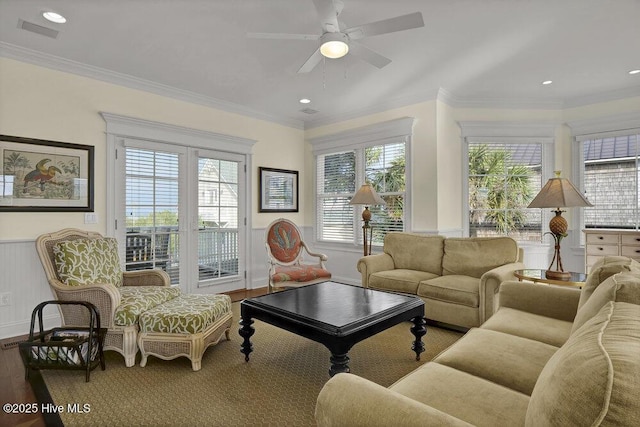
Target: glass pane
503	179
218	219
336	219
152	211
611	182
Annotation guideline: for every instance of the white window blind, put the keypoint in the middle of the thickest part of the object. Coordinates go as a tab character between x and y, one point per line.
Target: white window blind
340	174
336	184
152	206
377	154
503	178
385	170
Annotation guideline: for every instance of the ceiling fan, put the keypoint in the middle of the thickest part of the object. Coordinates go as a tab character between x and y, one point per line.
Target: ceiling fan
336	42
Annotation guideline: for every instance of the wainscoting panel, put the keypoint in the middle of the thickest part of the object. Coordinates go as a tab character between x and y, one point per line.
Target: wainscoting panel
22	276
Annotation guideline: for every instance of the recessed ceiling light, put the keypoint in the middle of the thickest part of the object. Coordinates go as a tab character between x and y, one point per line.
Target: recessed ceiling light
634	72
54	17
547	82
305	101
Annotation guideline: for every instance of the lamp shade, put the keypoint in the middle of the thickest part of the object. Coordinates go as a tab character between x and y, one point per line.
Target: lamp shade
559	193
366	195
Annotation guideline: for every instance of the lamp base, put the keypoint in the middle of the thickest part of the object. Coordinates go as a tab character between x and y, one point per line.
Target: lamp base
557	275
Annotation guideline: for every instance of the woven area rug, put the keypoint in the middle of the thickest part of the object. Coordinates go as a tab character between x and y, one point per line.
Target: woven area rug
277	387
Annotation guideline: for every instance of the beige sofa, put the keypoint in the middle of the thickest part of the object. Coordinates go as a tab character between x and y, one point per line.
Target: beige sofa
458	278
550	356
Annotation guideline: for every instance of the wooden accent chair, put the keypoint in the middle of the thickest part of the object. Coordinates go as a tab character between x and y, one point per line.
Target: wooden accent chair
120	297
284	244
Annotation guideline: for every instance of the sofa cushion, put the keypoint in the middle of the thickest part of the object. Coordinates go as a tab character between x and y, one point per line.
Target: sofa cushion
299	273
465	396
88	261
474	256
603	269
463	290
593	379
528	325
415	251
504	359
186	314
135	300
399	280
623	287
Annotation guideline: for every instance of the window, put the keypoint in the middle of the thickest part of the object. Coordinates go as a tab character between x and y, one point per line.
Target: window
151	209
503	179
606	164
177	204
377	157
503	174
610	176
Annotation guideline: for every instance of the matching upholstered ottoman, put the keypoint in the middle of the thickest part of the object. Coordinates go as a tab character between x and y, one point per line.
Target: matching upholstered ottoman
184	326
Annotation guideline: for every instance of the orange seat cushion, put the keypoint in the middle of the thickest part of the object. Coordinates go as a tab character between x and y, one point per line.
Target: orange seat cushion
299	273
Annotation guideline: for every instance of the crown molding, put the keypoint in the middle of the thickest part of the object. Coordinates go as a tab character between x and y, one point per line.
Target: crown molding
364	135
57	63
34	57
390	104
597	125
612	95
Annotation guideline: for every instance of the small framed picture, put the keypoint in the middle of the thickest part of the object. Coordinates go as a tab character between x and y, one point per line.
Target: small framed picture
278	190
45	176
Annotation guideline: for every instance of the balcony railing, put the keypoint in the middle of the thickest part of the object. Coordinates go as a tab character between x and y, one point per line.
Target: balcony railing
158	247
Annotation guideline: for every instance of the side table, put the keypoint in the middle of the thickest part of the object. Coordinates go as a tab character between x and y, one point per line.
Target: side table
537	276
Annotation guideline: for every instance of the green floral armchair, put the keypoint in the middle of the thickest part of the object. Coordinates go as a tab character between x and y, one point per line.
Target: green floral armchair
84	266
286	264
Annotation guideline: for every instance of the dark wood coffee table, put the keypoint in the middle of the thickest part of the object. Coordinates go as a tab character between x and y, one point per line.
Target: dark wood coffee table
335	315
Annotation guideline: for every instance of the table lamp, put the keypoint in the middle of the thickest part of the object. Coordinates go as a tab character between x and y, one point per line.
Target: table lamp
367	196
558	193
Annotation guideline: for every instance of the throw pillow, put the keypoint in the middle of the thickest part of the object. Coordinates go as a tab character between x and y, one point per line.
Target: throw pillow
88	261
592	380
603	269
621	287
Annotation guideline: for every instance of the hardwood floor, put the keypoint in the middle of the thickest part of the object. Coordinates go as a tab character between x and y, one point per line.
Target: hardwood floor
15	389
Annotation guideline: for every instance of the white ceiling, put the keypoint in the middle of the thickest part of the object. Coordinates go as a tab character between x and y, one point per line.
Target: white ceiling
472	52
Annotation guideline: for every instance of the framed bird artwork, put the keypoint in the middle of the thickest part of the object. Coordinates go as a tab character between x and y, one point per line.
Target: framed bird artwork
45	176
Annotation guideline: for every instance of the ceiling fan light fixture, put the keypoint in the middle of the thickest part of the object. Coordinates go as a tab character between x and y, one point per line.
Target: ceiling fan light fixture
334	45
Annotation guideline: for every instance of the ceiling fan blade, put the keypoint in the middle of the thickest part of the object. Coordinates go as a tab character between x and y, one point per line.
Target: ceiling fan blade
391	25
328	11
368	55
283	36
310	64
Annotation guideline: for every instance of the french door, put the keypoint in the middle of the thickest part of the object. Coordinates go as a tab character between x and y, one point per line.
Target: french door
184	212
218	225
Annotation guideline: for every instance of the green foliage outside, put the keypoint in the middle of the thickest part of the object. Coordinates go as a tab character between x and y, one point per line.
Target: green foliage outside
159	219
499	191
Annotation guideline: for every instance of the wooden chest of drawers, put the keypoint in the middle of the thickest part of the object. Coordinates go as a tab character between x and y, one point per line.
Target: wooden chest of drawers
600	243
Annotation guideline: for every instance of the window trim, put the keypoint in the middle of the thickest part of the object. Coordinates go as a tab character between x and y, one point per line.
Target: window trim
397	130
511	133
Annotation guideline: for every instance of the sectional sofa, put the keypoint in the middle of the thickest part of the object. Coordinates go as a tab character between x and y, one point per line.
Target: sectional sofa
550	356
458	278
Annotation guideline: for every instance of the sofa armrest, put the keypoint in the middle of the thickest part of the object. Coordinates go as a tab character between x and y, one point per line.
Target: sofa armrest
490	285
545	300
368	265
348	400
